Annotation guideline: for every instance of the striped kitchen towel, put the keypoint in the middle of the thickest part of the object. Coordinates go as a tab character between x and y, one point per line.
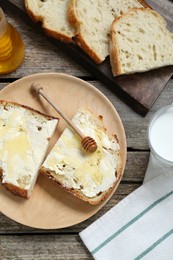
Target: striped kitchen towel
138	227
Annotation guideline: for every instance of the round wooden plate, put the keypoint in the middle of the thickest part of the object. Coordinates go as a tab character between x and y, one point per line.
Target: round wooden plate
51	207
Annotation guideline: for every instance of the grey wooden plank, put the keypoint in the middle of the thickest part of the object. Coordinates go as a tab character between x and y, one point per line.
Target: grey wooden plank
43	247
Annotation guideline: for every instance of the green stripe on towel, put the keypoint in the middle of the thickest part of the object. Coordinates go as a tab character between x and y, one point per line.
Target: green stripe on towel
131	222
149	249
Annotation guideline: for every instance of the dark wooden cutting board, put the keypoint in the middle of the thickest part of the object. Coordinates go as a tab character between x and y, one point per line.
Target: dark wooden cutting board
139	91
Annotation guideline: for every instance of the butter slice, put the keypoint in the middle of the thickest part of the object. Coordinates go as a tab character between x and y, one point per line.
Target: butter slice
89	173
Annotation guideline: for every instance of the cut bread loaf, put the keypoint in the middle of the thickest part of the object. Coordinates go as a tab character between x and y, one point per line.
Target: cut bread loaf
92	21
140	42
53	16
89	176
24	137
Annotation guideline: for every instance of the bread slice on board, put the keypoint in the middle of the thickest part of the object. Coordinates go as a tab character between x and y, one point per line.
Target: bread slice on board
53	16
140	42
92	21
24	138
89	176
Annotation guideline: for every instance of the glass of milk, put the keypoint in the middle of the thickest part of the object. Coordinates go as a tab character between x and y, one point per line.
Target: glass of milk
160	139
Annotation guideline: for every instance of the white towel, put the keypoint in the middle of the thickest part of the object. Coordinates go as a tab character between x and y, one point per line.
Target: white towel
138	227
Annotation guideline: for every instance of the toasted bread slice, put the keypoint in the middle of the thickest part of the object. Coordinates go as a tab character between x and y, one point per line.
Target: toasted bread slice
24	138
88	176
140	42
53	16
92	21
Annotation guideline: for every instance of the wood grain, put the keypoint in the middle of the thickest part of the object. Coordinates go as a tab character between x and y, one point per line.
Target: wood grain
52	248
24	243
139	91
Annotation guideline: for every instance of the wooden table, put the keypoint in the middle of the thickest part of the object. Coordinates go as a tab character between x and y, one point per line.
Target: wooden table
21	242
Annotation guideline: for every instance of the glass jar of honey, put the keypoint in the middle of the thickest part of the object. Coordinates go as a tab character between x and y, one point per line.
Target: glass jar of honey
12	49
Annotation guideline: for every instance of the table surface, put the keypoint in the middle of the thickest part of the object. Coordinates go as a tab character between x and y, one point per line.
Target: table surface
21	242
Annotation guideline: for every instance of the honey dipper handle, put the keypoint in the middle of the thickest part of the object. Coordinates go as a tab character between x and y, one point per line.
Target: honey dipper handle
39	90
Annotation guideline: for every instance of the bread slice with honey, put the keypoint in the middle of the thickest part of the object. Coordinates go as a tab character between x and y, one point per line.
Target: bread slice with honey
140	42
88	176
53	16
92	21
24	138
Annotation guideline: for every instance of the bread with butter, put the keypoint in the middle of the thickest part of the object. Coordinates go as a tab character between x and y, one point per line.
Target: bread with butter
53	16
92	22
24	138
88	176
140	42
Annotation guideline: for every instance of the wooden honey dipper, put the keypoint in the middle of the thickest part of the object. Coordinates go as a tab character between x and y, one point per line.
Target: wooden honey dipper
88	143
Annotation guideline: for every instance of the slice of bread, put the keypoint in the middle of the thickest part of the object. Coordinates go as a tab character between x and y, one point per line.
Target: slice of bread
92	21
53	16
140	42
24	138
89	176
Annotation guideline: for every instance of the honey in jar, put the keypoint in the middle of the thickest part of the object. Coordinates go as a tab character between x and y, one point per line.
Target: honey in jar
12	49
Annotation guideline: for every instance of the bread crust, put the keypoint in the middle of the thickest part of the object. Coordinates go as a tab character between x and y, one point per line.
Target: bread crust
17	191
115	64
94	200
48	32
71	15
80	41
78	38
34	18
28	108
56	35
145	4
